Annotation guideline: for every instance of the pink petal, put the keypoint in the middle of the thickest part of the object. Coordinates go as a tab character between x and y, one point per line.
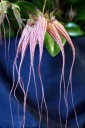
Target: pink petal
33	42
21	40
24	45
53	32
41	34
26	39
63	32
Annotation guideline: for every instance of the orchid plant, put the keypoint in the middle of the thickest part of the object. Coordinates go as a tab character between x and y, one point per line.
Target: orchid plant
37	29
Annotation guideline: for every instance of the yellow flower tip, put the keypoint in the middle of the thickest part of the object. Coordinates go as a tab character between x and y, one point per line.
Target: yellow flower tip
30	22
38	12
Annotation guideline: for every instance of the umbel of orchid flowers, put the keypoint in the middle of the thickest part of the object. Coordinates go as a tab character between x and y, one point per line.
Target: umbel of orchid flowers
34	33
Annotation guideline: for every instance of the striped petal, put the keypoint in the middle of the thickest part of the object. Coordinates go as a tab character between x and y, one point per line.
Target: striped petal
63	32
33	42
24	44
18	17
41	35
54	33
21	41
26	39
60	28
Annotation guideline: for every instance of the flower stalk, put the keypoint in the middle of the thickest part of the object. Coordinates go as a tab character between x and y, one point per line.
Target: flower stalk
44	6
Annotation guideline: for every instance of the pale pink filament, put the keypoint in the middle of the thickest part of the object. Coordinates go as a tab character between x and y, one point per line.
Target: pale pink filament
63	32
53	32
41	34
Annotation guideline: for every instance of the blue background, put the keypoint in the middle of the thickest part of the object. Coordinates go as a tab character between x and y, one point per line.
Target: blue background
50	70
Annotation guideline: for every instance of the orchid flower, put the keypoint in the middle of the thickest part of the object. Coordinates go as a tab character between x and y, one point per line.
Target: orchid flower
16	11
4	5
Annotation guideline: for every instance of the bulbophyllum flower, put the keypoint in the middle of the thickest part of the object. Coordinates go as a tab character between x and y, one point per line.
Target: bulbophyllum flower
4	5
33	34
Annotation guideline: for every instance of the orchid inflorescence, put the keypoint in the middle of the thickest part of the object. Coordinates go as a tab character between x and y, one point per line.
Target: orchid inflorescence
34	33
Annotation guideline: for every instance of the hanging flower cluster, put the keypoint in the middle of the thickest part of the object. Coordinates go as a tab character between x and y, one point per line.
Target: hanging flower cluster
33	34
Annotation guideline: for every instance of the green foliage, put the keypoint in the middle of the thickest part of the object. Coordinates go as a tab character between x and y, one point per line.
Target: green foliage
76	2
60	13
80	16
62	8
52	46
12	1
26	8
38	3
73	29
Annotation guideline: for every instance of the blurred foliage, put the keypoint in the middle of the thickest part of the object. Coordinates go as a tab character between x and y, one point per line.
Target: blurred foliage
74	29
61	11
52	46
71	13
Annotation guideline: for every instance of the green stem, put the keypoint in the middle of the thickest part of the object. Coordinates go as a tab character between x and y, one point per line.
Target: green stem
44	6
57	4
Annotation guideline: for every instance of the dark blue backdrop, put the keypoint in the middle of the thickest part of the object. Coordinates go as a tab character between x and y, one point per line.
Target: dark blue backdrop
50	69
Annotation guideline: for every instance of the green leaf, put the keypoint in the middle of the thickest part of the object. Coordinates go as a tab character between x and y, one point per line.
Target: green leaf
38	3
80	13
75	1
26	8
12	20
51	45
73	29
12	1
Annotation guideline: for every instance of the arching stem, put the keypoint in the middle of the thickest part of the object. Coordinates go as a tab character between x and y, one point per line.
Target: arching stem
44	6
